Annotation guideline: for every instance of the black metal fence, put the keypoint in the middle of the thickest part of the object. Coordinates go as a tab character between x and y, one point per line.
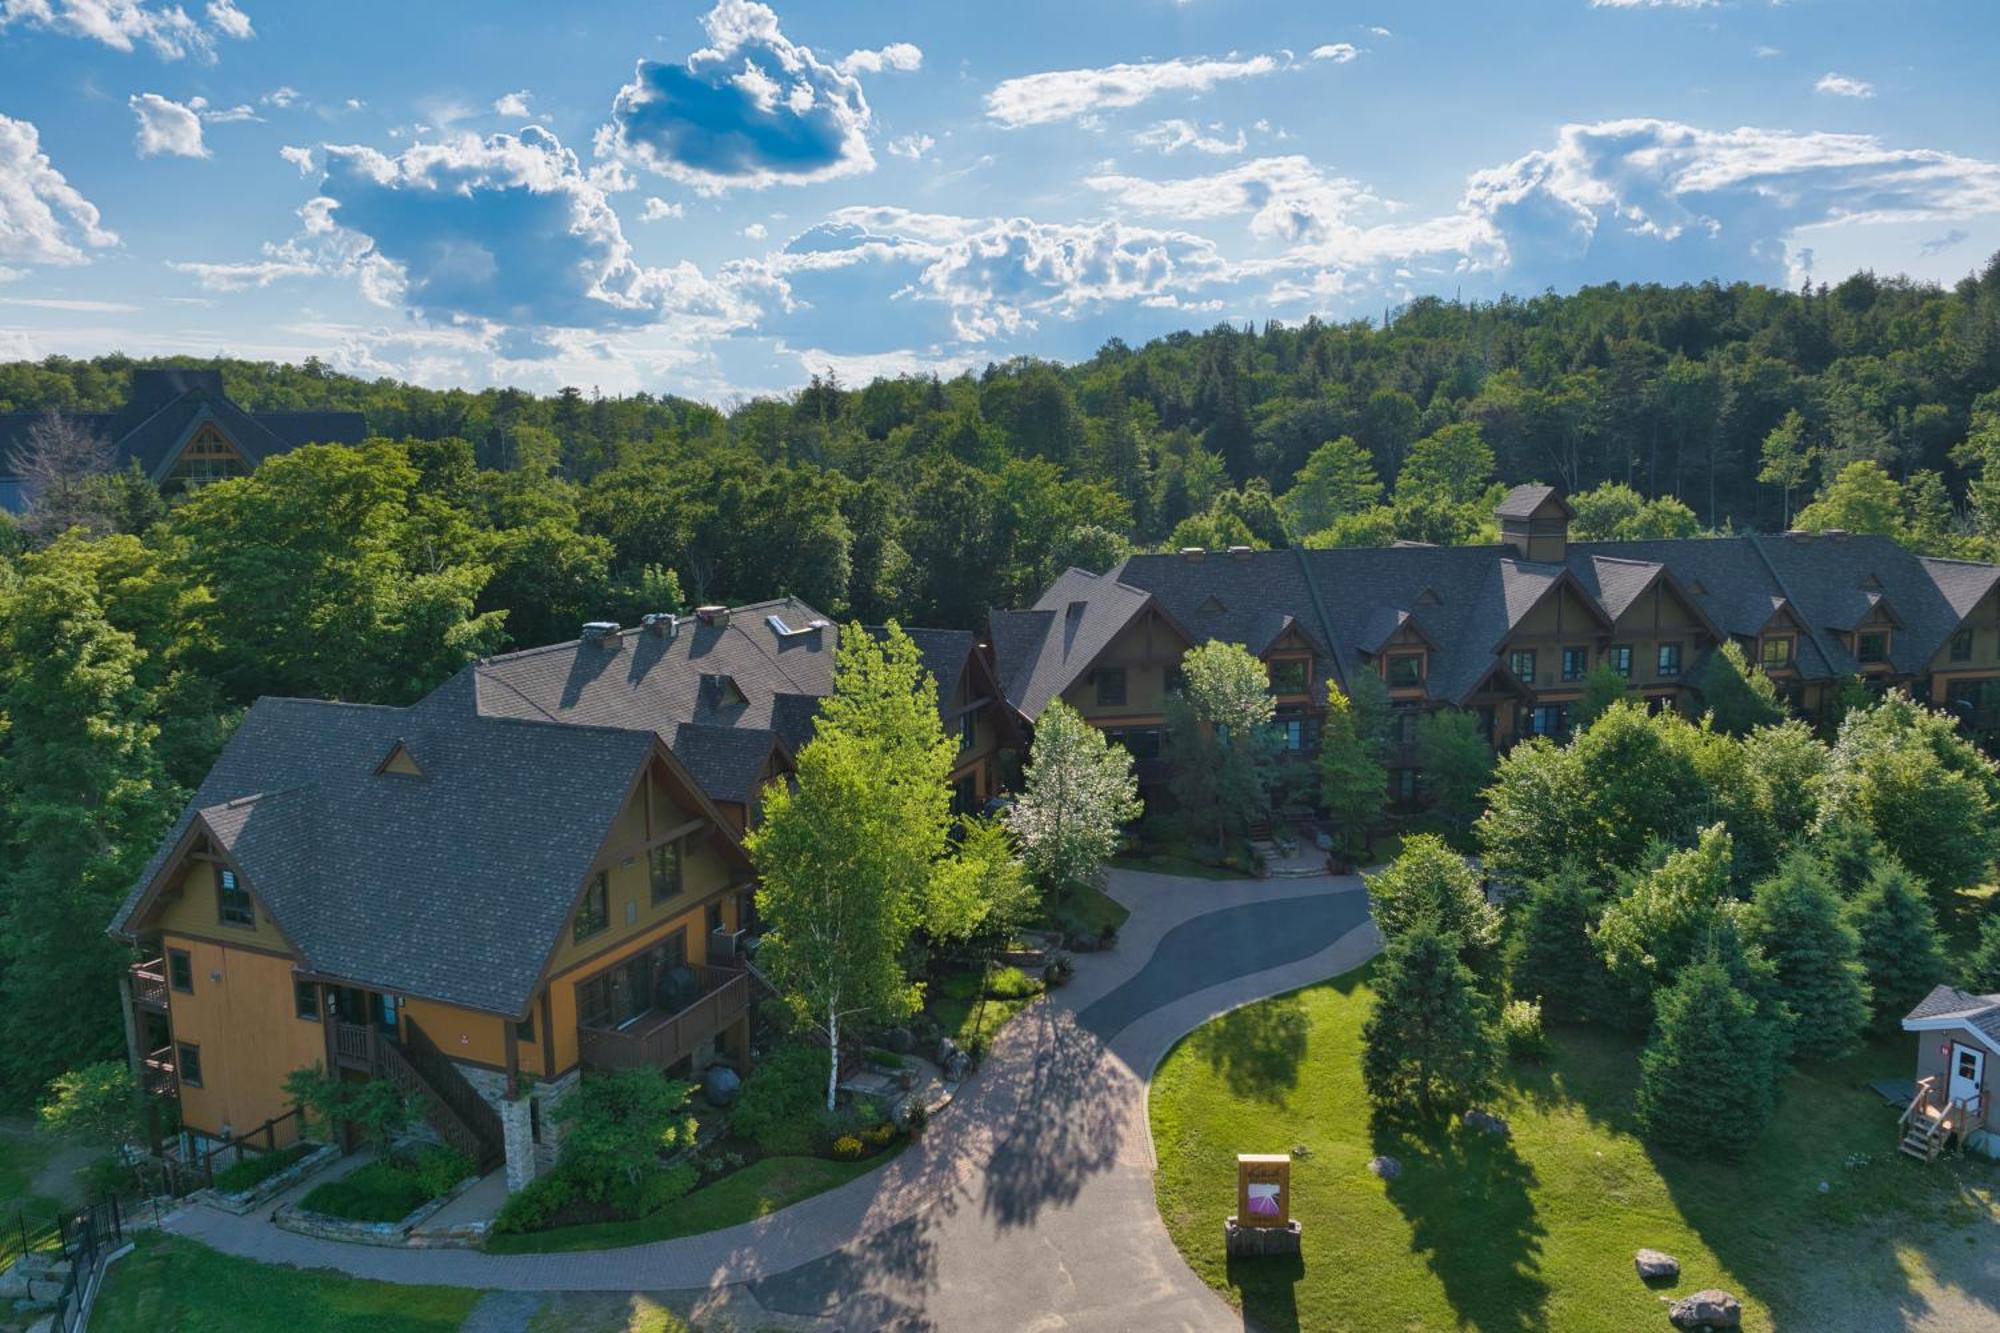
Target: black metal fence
80	1238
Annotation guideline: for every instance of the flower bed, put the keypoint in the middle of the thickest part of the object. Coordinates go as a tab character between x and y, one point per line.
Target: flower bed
251	1181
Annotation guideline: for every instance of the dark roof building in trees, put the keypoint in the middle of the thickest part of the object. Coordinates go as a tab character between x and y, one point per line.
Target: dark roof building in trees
1508	631
181	429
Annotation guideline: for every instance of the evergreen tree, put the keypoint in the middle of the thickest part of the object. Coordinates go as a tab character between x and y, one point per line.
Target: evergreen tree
1981	974
1353	784
1551	956
1427	1044
1708	1078
1851	853
1899	945
1795	919
1666	917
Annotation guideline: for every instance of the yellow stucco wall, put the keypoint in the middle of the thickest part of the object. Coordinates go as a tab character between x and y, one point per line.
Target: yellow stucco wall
242	1016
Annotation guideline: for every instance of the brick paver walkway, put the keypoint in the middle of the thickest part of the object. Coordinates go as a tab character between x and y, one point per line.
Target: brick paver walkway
1029	1203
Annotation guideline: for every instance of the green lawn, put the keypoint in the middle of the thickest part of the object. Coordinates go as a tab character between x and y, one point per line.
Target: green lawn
1537	1231
760	1188
23	1154
172	1285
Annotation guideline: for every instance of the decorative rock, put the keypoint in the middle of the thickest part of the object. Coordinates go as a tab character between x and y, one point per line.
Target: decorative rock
1656	1264
1486	1122
900	1040
45	1289
1386	1167
947	1048
955	1068
720	1084
1706	1310
1243	1242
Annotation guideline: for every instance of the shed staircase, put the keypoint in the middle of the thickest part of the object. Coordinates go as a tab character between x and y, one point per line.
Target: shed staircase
1932	1120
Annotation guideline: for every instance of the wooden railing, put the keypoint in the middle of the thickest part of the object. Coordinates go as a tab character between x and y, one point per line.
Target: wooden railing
157	1073
149	984
354	1046
452	1106
450	1088
661	1040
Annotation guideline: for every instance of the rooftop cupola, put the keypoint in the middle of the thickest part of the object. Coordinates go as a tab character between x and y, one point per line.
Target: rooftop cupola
1534	521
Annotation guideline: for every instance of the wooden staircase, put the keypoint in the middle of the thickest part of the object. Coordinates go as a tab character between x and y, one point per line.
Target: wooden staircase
451	1106
1931	1121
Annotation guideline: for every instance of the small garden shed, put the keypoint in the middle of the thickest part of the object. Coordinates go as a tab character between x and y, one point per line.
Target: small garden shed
1958	1042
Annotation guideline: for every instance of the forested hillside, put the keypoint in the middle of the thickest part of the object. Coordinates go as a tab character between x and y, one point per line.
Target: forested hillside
134	629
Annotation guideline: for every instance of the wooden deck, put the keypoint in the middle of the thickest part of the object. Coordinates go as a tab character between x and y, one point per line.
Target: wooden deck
662	1039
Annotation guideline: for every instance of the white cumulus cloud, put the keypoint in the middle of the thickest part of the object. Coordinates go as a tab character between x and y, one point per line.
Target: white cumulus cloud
903	57
659	210
43	218
512	104
1338	52
1170	136
125	25
166	127
912	146
1842	85
1068	94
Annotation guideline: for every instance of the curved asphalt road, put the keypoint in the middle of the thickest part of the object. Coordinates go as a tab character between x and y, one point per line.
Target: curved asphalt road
1028	1206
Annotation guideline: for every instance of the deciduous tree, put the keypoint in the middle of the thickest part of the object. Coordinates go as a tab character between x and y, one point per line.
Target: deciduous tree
1078	792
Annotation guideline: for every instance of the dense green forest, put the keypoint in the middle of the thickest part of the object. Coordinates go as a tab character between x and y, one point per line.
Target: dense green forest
134	628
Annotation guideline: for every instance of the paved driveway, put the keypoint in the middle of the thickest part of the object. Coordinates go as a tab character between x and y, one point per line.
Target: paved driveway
1028	1206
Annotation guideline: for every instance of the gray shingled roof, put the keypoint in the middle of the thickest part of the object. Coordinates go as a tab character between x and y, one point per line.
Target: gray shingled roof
1981	1012
165	408
353	865
1042	652
1523	501
728	762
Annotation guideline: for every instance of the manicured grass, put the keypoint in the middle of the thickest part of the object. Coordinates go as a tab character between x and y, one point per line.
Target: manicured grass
604	1312
760	1188
382	1191
1094	909
172	1285
1538	1230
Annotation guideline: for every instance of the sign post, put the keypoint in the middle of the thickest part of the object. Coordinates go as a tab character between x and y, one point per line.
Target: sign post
1263	1222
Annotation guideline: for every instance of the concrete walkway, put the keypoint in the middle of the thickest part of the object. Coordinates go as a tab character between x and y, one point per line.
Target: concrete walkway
1028	1205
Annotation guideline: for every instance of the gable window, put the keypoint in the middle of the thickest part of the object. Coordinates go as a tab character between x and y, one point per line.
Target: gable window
1406	671
594	912
1619	659
1670	659
180	971
1522	663
1776	651
1961	646
305	1000
1288	676
232	900
664	866
1575	663
188	1065
1872	646
1110	686
968	729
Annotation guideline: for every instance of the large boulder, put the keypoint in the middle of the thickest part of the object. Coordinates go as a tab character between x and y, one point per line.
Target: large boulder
1486	1122
1706	1310
1385	1166
900	1040
946	1049
1654	1264
720	1084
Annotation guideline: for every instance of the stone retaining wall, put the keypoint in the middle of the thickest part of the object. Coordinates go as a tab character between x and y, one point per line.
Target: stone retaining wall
242	1202
291	1217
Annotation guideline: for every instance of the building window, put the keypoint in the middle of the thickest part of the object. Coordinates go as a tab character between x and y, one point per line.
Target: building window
1670	659
1288	676
714	920
1176	679
593	1001
1111	686
188	1065
664	865
1139	742
968	729
1776	652
1619	659
1548	720
1872	646
524	1029
1406	671
1294	732
1961	646
180	971
232	900
1406	726
594	912
305	1000
1522	663
1576	663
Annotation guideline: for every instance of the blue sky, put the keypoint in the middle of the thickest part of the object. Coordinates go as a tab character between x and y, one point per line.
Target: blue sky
719	199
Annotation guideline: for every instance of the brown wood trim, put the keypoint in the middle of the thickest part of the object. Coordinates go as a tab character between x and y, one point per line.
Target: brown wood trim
632	851
227	944
665	925
546	1054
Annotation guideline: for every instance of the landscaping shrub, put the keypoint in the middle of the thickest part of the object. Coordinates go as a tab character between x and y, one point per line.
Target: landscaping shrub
1011	983
887	1059
1521	1030
879	1136
653	1191
847	1148
382	1191
535	1205
440	1169
1058	971
780	1103
916	1118
618	1125
246	1173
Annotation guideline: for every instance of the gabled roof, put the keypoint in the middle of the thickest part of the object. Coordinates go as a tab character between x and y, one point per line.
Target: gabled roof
1042	652
163	411
1947	1007
1524	502
451	888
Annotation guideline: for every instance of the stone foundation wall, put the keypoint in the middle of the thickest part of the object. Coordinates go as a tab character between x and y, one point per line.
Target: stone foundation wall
526	1158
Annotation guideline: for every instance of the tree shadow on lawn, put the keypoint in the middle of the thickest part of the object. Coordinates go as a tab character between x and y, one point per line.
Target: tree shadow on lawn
1465	1195
1258	1049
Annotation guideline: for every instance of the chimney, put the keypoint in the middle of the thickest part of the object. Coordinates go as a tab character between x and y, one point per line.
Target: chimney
603	633
1797	535
1192	552
1239	553
717	616
1834	534
661	624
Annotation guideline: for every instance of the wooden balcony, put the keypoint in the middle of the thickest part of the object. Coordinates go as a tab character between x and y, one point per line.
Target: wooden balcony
157	1074
149	985
663	1039
354	1046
